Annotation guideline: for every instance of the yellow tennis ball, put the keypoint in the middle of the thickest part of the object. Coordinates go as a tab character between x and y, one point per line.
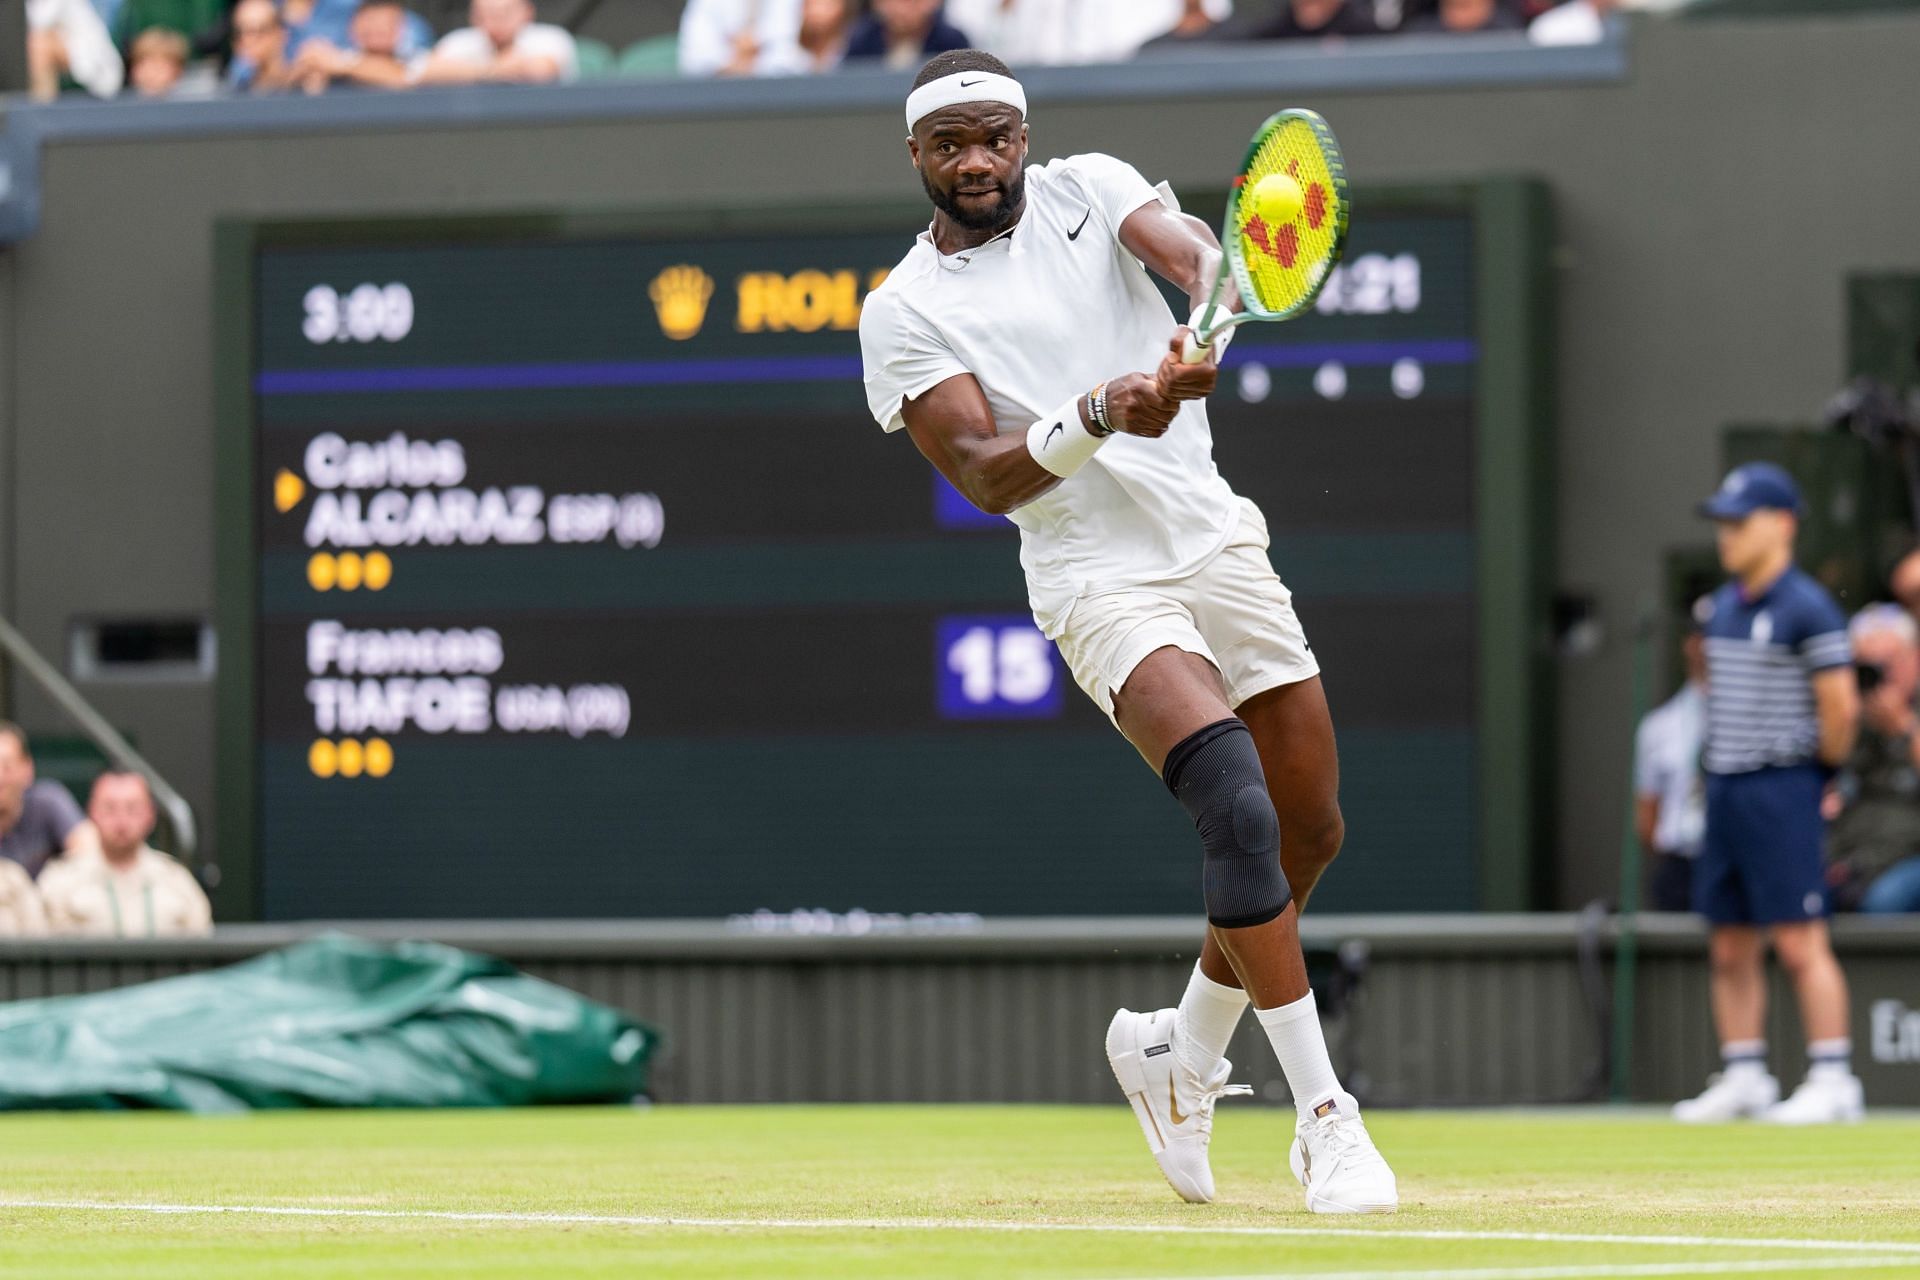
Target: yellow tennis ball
1276	199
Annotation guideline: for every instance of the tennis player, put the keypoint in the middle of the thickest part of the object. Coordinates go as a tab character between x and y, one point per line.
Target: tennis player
1029	356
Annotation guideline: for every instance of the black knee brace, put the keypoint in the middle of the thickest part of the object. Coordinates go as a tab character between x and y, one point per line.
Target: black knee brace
1215	774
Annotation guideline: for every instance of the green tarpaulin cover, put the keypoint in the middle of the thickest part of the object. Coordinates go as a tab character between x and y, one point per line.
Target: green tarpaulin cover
334	1022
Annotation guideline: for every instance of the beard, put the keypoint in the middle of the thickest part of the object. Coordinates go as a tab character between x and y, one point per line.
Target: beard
994	218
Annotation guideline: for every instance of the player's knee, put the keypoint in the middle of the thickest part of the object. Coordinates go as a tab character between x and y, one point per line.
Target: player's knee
1215	774
1731	953
1798	949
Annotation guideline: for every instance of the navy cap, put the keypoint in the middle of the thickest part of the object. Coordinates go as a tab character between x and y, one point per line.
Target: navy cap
1757	486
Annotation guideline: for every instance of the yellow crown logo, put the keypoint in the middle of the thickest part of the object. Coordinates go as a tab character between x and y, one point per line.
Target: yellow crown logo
680	296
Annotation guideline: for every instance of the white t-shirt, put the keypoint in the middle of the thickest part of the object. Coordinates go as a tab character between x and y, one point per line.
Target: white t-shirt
1070	31
1038	317
91	58
1666	764
708	27
1575	22
536	39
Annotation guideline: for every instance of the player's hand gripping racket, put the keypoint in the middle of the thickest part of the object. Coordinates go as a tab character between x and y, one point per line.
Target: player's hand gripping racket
1285	228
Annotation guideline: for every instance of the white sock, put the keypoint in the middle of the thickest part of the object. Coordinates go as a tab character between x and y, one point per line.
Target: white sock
1294	1030
1209	1012
1741	1058
1830	1059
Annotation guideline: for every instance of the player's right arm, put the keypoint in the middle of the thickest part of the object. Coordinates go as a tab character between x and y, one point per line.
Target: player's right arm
953	425
1648	785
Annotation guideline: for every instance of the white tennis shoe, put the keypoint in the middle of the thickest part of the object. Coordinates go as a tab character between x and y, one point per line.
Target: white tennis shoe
1821	1099
1173	1104
1732	1095
1334	1158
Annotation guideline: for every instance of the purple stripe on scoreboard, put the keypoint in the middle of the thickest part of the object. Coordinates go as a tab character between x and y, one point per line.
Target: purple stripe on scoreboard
558	376
952	511
577	375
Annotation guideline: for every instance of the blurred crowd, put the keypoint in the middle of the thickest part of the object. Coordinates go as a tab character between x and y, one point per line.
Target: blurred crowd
786	37
163	48
91	873
1872	804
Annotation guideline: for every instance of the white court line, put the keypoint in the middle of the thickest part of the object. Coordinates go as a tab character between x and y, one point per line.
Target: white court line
1579	1273
1902	1249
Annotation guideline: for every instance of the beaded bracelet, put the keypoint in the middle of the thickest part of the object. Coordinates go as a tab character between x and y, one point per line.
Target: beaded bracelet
1097	409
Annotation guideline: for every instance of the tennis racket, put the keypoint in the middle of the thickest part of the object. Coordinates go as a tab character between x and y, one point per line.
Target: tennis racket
1280	269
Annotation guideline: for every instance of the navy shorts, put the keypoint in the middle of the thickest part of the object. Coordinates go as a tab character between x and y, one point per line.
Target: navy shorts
1763	858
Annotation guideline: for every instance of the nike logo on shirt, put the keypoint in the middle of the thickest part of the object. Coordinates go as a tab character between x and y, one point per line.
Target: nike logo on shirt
1075	233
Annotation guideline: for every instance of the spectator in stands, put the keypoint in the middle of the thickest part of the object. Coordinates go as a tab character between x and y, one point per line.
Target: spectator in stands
332	21
904	33
193	19
825	26
1905	583
1463	16
372	60
125	889
1575	22
156	62
818	46
504	45
1199	21
1308	19
1670	798
37	819
1874	805
67	38
260	62
21	913
739	37
1078	31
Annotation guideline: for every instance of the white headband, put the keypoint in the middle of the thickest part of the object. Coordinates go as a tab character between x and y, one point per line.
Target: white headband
960	87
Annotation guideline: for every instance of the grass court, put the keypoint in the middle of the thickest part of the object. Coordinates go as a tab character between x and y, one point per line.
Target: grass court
1008	1192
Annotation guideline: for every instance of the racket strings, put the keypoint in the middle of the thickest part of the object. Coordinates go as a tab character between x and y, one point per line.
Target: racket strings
1285	264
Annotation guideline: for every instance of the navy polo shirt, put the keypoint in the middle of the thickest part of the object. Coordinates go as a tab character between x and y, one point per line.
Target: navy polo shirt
1761	657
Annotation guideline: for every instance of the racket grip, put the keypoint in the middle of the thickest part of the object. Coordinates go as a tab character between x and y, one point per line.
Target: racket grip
1207	320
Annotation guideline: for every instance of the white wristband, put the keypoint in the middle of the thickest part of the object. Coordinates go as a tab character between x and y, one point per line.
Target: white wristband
1060	442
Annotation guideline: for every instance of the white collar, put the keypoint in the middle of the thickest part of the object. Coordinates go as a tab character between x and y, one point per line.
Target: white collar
958	260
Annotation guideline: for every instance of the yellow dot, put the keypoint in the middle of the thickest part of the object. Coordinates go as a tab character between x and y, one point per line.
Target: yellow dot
350	566
320	572
379	758
378	570
352	759
288	489
322	758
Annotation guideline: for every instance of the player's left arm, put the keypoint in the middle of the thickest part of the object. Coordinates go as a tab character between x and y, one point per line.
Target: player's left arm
1827	651
1177	247
1182	250
1836	699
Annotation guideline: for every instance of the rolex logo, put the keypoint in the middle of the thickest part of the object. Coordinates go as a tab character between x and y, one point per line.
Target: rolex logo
680	295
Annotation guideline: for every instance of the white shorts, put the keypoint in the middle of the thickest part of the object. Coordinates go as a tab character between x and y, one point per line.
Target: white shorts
1233	611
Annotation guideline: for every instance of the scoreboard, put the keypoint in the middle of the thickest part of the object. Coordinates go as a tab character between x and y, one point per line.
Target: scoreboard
565	574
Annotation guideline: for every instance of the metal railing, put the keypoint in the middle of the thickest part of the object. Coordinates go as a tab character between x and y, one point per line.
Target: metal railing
174	809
